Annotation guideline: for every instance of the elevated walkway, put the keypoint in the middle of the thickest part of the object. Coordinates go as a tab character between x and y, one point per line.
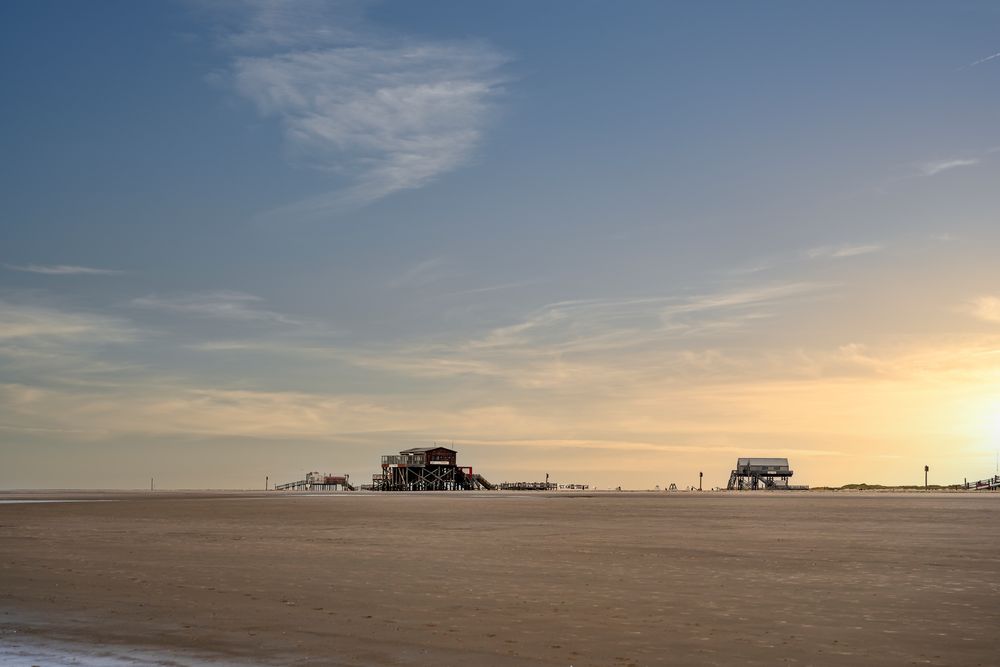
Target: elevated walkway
989	484
483	482
308	485
528	486
475	482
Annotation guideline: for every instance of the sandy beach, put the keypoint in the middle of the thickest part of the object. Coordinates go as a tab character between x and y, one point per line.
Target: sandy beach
503	579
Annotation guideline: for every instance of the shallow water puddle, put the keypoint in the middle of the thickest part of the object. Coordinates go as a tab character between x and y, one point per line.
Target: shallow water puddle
34	651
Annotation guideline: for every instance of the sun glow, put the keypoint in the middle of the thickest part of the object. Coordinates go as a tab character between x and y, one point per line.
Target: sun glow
982	423
991	424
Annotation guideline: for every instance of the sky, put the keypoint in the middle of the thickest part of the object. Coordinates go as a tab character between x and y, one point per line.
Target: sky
618	243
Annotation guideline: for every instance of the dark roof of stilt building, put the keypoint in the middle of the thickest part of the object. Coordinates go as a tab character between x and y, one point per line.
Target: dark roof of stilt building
424	450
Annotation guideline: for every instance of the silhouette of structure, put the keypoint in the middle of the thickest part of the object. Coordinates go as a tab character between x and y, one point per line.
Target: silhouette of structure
753	474
988	484
318	481
528	486
427	469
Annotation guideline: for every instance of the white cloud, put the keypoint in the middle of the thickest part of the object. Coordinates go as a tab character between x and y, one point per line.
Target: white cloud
582	341
820	252
37	324
937	166
260	25
986	308
569	343
420	274
982	60
227	346
840	252
386	113
221	304
491	288
62	270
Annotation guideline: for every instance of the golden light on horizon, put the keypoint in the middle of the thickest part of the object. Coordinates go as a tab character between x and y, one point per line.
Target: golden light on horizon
984	422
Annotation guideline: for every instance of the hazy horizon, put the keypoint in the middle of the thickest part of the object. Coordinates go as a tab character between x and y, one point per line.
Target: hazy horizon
618	244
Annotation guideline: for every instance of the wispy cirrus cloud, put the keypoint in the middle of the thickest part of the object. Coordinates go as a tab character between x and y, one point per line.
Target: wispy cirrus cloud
564	343
985	308
840	252
219	304
822	252
614	323
934	167
384	113
420	274
491	288
50	345
62	270
980	61
40	324
567	343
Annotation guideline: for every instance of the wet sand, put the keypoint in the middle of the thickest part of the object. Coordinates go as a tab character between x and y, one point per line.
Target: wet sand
507	579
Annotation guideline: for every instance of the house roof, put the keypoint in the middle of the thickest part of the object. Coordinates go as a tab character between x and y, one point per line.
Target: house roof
762	462
424	450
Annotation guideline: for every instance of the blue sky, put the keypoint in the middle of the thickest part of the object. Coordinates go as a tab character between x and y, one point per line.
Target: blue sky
616	243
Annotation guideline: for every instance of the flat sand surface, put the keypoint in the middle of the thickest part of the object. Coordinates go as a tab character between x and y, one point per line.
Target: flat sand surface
507	579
